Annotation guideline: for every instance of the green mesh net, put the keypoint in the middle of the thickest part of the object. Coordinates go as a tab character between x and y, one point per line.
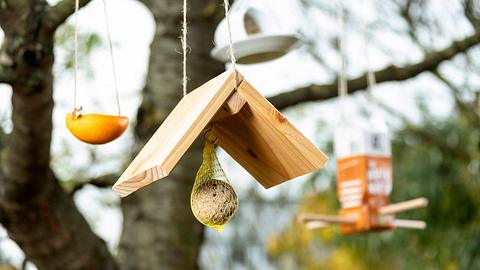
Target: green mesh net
213	199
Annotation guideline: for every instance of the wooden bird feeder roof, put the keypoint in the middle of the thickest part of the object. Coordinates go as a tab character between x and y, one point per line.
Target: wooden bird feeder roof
247	126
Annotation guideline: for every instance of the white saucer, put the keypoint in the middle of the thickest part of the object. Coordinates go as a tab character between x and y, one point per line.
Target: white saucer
257	48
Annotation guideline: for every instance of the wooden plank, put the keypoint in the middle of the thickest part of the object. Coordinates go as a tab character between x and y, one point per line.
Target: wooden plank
315	225
177	133
403	206
410	224
262	140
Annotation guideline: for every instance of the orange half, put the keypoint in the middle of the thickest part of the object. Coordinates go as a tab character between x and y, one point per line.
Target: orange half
96	128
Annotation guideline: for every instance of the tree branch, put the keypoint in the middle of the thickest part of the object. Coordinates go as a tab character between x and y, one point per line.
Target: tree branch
10	11
392	73
467	110
469	11
405	13
104	181
58	14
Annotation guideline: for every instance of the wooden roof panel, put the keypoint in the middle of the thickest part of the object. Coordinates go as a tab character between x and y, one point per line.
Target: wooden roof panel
176	134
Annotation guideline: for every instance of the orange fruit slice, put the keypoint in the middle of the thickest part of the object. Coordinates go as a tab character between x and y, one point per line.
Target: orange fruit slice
96	128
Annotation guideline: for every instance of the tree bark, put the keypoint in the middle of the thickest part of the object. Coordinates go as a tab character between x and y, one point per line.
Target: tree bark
159	229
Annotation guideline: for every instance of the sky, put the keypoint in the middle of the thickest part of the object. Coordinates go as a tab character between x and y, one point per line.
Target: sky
132	31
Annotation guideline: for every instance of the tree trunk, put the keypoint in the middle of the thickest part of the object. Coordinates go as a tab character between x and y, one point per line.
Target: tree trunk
160	230
37	213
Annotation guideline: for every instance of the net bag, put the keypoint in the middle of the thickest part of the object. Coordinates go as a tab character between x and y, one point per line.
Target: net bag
213	199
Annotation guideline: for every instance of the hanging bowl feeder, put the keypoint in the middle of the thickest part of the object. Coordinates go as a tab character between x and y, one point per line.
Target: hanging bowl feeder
256	37
96	128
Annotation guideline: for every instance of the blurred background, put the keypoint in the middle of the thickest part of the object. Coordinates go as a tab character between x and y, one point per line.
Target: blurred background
426	59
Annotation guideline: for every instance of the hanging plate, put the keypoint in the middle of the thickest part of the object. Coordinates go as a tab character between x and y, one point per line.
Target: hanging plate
257	48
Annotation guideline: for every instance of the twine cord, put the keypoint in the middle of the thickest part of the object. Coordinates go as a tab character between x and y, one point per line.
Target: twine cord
371	80
230	40
75	61
342	78
112	58
184	47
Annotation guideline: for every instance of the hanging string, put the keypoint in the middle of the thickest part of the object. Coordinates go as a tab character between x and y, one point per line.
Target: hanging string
75	63
112	58
114	72
230	40
371	80
342	78
184	47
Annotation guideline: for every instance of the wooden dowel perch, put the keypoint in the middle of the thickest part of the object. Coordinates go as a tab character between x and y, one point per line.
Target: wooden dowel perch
314	225
410	224
403	206
306	218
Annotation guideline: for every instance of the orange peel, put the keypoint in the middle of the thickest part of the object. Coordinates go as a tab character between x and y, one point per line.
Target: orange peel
96	128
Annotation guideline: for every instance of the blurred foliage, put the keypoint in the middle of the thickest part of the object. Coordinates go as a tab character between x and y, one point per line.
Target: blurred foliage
422	167
7	267
87	43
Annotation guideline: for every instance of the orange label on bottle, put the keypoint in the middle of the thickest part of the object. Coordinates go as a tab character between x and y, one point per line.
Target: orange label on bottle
364	184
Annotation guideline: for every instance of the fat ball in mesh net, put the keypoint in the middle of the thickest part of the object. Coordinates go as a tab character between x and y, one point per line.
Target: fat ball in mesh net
213	199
